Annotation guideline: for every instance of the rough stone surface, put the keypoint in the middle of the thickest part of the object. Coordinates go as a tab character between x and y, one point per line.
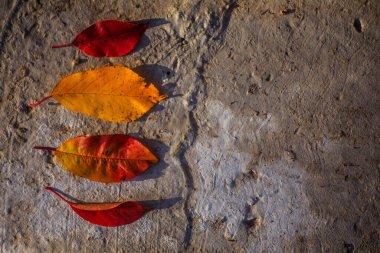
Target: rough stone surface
269	140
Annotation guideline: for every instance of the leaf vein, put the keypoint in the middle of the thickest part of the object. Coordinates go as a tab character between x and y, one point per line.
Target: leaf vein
98	157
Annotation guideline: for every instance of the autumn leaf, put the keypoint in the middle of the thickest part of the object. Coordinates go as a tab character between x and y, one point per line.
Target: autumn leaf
104	158
110	93
110	38
106	214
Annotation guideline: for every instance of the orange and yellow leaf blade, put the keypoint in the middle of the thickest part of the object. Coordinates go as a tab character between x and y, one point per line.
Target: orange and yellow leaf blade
105	158
110	93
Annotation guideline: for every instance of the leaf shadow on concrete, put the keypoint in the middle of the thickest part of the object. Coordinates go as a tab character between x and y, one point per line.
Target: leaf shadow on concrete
158	75
148	205
145	41
159	149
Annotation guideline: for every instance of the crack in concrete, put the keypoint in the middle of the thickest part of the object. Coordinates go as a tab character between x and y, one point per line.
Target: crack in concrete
199	93
8	24
189	178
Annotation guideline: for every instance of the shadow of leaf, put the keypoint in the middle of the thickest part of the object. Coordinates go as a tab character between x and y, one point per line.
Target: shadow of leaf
158	75
69	197
159	204
145	41
148	205
159	149
154	73
153	22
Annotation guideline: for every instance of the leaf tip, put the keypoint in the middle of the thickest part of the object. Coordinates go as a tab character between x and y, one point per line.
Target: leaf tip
145	25
162	97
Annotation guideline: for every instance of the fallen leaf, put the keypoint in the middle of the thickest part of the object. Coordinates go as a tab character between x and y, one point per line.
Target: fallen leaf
104	158
110	38
106	214
110	93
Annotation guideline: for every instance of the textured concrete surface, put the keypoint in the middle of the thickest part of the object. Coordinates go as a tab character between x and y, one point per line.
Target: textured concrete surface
269	141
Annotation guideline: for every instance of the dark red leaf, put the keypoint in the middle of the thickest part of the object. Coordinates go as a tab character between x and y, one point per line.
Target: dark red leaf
110	38
106	214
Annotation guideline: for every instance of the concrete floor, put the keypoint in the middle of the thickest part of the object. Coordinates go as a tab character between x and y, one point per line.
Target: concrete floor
269	140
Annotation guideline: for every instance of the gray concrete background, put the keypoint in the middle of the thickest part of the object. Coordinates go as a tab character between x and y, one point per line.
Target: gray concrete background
269	141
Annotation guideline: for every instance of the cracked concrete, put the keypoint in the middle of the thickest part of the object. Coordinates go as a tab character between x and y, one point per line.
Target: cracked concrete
268	141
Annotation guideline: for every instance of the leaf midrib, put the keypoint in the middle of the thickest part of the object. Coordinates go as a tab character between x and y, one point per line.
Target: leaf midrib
96	157
81	93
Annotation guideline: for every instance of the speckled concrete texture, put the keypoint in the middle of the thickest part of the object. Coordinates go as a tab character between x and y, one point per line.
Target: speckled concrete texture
269	140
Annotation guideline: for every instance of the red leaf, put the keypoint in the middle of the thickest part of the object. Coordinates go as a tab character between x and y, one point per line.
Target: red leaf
106	214
110	38
104	158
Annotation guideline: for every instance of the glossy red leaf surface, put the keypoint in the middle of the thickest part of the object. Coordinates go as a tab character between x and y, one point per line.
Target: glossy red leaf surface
111	38
104	158
106	214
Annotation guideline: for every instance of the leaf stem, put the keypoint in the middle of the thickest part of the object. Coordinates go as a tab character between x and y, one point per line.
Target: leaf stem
39	102
56	193
45	148
63	45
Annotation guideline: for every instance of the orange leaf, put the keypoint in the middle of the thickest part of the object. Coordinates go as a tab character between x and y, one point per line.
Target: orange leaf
106	214
110	93
104	158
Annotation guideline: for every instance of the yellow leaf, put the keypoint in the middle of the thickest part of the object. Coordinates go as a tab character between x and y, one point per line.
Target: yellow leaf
110	93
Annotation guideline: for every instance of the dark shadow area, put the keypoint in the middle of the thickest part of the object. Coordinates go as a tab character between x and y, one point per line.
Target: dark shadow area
145	41
25	108
358	25
148	205
153	22
68	197
288	11
158	75
154	73
159	149
151	205
227	13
